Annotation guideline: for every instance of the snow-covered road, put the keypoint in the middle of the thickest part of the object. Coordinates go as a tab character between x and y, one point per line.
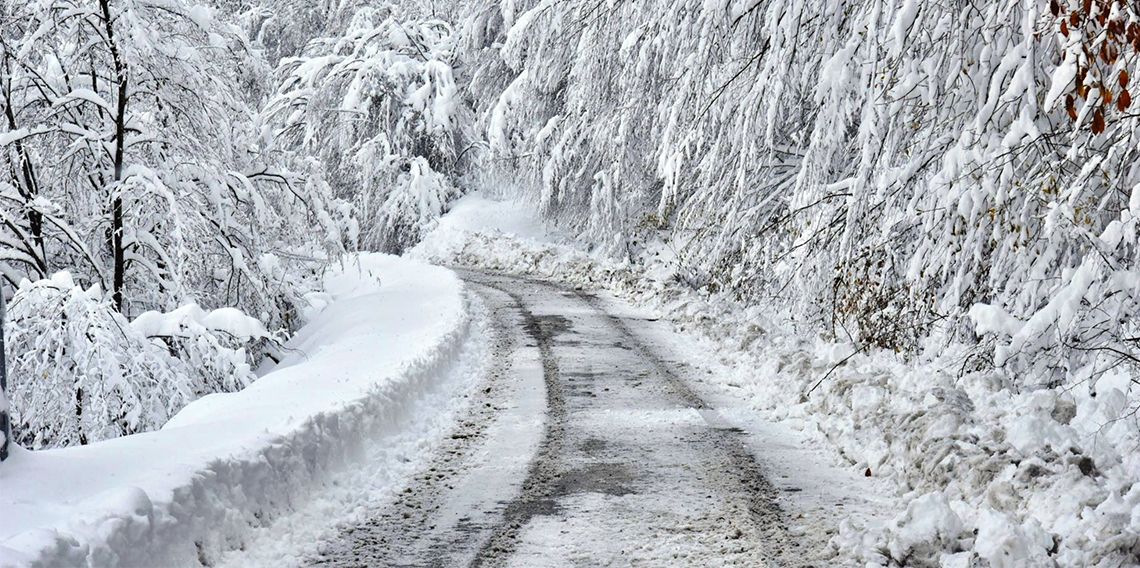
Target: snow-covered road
584	446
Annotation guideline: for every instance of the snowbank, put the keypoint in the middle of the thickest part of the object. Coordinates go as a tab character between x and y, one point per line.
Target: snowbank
984	475
476	213
230	462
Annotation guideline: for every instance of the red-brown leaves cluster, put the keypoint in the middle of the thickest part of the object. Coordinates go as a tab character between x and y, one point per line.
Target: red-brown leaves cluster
1108	34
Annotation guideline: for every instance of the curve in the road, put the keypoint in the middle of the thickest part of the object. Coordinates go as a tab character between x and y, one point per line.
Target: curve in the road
614	460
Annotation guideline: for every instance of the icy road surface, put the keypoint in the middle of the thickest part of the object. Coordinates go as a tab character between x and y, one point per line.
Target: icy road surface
584	448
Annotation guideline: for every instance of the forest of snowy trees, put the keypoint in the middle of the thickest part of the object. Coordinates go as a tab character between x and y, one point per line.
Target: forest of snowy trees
904	174
177	176
900	174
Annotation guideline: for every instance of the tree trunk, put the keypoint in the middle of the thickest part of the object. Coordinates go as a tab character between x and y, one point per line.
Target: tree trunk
5	406
117	251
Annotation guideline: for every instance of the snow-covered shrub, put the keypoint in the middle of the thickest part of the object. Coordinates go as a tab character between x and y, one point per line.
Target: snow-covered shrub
379	108
212	346
417	199
80	372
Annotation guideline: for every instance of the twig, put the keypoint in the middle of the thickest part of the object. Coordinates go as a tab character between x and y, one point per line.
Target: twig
832	370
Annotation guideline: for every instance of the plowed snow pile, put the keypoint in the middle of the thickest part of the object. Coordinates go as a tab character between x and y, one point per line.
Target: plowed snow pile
387	332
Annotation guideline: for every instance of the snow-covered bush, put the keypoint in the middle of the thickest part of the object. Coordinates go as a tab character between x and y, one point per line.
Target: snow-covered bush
212	346
379	108
79	372
416	200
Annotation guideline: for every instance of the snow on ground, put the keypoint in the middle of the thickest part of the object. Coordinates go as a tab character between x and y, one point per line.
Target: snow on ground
350	496
978	474
476	213
389	336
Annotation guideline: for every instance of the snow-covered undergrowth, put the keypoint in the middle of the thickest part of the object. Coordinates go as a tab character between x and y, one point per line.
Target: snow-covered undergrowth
82	373
388	332
984	472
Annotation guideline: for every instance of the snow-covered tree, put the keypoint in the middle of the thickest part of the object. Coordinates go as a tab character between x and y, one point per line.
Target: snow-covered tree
379	108
913	160
158	188
132	157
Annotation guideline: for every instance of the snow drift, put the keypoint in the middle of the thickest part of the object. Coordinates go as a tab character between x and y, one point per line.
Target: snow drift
393	330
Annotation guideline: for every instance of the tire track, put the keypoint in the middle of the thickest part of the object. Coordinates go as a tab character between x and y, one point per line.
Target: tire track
740	470
536	495
626	459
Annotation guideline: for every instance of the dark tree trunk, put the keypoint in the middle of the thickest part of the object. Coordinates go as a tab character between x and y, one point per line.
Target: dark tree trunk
117	250
5	413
